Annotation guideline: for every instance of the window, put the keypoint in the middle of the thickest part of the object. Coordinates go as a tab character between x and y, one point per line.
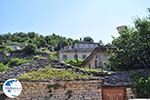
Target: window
83	56
64	57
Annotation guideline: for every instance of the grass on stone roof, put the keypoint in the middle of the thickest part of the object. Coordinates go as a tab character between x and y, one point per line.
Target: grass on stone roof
52	74
91	69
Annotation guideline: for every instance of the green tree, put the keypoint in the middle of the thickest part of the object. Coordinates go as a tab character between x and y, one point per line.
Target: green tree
88	39
53	42
32	35
30	49
132	47
141	86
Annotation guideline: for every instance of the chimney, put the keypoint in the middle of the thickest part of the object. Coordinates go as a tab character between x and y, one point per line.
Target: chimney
121	28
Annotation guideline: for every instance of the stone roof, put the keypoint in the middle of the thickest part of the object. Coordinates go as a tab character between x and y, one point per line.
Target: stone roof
122	78
72	48
77	50
83	42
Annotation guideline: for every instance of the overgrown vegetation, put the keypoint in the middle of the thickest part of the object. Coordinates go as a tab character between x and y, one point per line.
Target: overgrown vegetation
52	42
74	62
91	69
17	61
53	55
30	49
141	86
12	63
3	67
5	49
52	73
132	47
36	57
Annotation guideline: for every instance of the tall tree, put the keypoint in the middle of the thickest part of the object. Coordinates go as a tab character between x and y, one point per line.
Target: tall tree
133	47
52	42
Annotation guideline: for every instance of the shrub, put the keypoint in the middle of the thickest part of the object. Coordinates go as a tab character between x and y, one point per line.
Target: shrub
6	49
16	61
74	62
3	67
36	57
132	47
53	55
141	86
30	49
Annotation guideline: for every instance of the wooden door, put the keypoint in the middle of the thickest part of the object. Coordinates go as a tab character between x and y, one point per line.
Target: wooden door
114	93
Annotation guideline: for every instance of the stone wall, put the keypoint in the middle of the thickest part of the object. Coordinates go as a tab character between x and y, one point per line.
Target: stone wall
71	54
24	68
61	90
40	63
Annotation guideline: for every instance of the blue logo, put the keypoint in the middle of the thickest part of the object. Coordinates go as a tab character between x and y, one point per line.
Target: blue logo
12	88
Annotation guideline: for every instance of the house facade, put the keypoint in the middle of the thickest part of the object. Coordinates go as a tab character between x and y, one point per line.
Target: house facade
97	58
80	51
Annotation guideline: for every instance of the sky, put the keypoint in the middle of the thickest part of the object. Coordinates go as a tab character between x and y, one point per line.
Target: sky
70	18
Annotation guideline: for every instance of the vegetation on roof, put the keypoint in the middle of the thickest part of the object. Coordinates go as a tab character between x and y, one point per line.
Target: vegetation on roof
91	69
17	61
73	62
52	73
13	62
3	67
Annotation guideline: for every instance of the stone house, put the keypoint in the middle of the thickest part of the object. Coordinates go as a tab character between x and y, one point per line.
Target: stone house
97	58
79	50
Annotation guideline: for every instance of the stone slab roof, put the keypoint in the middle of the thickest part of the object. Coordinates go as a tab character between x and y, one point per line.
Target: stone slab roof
122	78
77	50
73	49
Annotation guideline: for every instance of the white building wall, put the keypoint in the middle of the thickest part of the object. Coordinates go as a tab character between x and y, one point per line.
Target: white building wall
70	55
103	59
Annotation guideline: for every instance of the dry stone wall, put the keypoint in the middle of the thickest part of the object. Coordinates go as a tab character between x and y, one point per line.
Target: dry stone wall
61	90
24	68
